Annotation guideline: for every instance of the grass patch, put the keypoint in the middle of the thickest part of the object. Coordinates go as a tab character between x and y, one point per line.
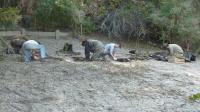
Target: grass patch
195	97
1	58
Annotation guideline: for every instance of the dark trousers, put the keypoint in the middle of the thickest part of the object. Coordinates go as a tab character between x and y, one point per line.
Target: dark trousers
87	50
97	53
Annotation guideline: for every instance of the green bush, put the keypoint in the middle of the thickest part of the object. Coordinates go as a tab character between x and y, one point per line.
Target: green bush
157	20
88	25
9	3
198	50
195	97
9	17
54	14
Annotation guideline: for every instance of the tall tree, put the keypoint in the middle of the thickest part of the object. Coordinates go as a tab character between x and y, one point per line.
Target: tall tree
27	6
8	3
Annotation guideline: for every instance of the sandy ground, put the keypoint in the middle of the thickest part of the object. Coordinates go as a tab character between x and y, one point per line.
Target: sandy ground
68	86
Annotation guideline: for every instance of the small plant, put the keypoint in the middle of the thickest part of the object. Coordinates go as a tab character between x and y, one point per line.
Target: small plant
1	57
88	26
198	51
195	97
9	17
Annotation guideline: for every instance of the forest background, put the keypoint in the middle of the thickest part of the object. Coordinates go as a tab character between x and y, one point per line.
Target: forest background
147	20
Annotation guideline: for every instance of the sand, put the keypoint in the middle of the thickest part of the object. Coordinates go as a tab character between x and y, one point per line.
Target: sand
69	86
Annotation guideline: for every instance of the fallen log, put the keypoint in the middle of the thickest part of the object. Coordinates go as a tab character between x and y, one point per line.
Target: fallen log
7	47
55	58
5	43
1	57
78	58
123	59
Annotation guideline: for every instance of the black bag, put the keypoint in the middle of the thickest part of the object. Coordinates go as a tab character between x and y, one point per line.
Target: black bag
160	56
189	56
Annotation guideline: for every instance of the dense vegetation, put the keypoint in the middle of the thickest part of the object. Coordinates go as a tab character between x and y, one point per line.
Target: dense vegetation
156	20
8	18
194	97
9	15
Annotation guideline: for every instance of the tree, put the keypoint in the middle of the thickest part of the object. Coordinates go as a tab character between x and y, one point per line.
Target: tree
8	3
26	6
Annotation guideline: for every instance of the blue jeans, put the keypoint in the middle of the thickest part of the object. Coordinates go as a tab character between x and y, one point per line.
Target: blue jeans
27	52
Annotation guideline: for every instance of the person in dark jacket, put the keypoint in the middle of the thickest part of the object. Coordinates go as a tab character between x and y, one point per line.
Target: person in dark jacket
93	46
16	44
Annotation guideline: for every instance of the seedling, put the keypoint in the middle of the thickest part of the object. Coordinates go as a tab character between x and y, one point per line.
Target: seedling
195	97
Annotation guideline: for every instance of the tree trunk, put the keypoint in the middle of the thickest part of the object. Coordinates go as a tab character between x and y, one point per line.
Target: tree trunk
27	6
8	3
157	3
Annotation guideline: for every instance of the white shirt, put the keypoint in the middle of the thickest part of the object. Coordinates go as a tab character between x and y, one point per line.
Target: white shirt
175	49
109	48
31	44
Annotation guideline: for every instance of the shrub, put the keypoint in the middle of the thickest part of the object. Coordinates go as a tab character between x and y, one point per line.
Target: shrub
9	17
195	97
88	25
53	14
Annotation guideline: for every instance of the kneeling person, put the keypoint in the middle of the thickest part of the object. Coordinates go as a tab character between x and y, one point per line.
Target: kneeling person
110	50
93	46
174	50
17	43
32	50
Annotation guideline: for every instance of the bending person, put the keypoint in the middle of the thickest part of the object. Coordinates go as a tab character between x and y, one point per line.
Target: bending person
174	50
110	50
17	44
93	46
32	50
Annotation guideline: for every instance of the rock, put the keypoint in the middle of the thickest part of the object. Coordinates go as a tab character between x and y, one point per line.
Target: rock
133	51
67	47
123	59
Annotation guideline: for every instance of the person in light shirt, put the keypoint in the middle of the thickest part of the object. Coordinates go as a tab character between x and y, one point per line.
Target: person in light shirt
174	50
110	50
33	50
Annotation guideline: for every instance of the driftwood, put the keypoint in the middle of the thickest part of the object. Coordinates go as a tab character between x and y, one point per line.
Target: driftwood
78	58
132	55
5	43
1	56
7	47
160	56
123	59
55	58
